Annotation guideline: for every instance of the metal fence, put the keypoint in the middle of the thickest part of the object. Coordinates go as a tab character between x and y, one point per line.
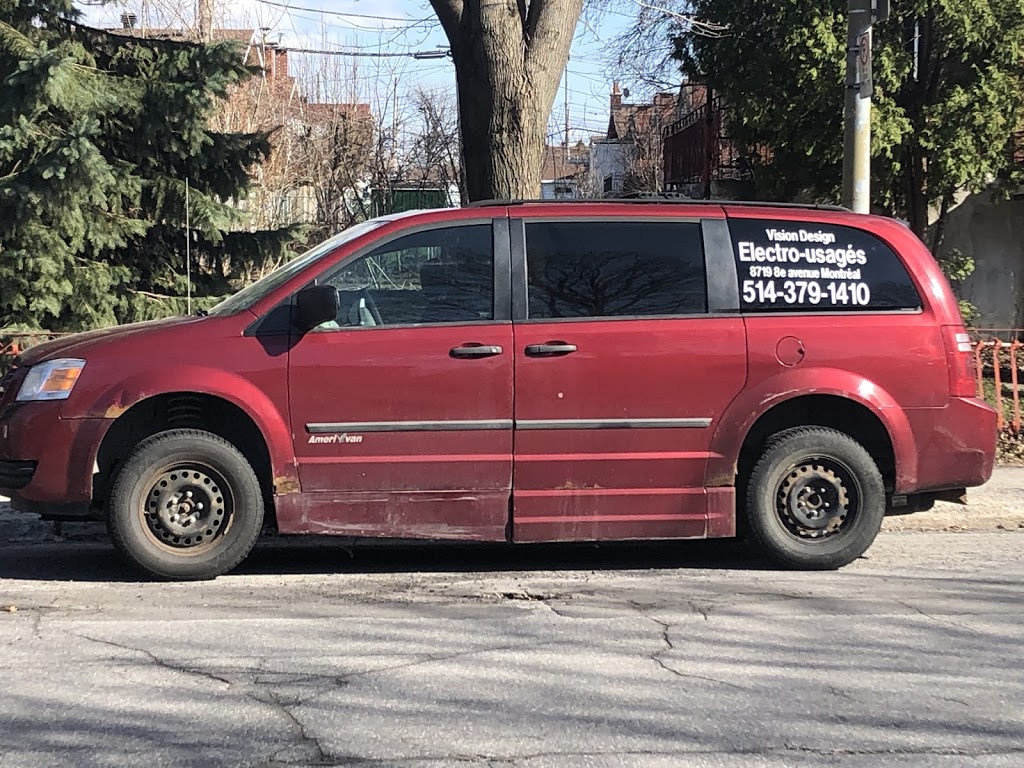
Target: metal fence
998	360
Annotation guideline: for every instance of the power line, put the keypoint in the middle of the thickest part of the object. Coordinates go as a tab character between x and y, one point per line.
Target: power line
436	54
342	13
394	33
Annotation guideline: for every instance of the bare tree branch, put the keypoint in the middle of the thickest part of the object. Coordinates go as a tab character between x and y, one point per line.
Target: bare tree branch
643	52
691	23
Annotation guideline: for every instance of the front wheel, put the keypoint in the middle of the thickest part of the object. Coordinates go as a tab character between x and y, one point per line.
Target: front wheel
815	500
186	505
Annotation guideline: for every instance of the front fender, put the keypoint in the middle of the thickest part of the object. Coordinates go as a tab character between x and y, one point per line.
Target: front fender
114	399
754	402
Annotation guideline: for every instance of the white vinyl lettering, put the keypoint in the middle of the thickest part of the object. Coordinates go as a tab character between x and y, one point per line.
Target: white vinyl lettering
801	267
334	439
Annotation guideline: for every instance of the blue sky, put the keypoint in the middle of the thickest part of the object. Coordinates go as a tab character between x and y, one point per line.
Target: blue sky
399	26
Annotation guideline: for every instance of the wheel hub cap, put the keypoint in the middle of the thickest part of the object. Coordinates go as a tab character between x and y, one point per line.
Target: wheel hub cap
813	500
185	507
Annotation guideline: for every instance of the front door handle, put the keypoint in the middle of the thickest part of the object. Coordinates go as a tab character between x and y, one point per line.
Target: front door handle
550	349
475	350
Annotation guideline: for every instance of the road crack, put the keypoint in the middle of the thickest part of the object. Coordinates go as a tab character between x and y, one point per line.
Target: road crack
669	647
157	661
704	610
259	689
944	621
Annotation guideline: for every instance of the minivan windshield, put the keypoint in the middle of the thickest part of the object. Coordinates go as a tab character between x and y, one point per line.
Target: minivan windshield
249	295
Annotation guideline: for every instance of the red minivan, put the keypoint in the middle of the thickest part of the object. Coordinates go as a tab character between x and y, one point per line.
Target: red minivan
522	372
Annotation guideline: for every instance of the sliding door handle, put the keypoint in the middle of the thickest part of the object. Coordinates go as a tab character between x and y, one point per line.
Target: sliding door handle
550	349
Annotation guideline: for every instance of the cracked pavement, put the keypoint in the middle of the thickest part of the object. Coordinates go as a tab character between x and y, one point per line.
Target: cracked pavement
314	654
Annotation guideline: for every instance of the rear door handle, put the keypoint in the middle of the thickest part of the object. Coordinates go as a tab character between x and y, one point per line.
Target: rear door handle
475	350
550	349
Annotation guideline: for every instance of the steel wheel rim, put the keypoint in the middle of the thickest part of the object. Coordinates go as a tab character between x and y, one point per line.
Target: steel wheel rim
818	497
187	508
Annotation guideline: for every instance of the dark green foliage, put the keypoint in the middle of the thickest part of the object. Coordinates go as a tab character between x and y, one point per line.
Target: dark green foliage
782	64
98	135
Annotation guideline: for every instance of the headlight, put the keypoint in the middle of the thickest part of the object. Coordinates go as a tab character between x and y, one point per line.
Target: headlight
52	380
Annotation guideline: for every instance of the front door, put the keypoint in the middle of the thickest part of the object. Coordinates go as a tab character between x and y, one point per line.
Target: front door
401	408
621	375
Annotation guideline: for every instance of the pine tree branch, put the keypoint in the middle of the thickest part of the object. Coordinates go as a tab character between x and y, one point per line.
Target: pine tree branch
14	171
154	296
15	42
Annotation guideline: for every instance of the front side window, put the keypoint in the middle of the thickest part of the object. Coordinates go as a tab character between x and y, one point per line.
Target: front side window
614	269
441	275
266	285
787	266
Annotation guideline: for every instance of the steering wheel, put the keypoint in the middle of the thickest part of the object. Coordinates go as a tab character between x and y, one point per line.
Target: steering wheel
371	305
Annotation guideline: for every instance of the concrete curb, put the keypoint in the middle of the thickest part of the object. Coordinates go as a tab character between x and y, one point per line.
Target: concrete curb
998	505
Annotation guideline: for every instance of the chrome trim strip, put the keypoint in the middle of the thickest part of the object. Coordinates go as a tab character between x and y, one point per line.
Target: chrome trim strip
613	423
531	424
407	426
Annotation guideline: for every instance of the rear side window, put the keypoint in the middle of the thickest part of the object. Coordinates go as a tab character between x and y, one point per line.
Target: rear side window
786	266
614	269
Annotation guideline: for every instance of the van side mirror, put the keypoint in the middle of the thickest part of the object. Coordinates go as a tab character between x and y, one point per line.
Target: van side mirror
316	304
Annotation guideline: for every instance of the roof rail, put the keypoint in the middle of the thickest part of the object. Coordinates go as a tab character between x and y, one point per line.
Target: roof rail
655	199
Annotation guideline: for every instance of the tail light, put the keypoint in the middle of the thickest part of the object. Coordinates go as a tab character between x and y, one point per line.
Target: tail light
960	361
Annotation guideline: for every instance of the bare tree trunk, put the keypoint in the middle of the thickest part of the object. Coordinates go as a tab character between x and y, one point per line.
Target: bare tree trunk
509	57
204	20
917	194
939	231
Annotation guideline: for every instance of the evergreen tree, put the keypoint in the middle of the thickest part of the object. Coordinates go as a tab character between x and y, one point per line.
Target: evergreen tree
99	136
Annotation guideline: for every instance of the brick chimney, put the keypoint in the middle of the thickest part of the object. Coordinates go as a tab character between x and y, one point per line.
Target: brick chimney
281	63
616	96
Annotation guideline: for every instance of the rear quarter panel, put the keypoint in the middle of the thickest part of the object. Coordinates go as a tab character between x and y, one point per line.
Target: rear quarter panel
894	363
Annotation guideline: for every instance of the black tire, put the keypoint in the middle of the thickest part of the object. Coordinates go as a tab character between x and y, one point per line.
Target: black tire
185	506
815	499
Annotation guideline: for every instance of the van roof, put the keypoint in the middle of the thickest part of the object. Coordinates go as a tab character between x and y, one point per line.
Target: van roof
654	199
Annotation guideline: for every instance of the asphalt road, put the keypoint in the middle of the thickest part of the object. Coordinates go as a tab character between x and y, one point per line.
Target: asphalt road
668	655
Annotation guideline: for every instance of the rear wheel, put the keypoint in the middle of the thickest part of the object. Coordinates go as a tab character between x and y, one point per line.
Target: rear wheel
186	505
815	500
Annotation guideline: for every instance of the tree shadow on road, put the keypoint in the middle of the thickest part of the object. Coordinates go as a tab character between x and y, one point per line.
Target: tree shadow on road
97	561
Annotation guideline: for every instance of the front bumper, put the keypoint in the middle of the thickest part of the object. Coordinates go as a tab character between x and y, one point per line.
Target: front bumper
46	462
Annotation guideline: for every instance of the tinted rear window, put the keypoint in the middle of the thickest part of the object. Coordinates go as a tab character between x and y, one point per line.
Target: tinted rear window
614	269
786	266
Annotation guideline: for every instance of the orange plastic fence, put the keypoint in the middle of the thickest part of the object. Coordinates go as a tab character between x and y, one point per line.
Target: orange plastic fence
997	357
13	343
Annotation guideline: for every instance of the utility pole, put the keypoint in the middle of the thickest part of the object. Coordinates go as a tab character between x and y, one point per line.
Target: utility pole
857	116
